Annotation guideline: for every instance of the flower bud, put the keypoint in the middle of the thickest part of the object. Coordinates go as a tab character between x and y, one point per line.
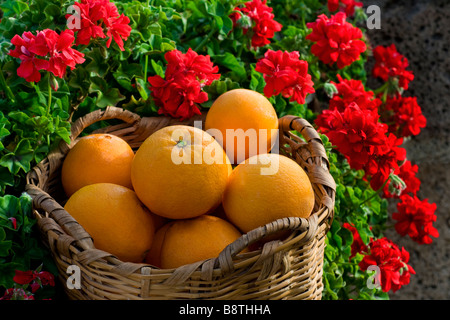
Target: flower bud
396	185
330	89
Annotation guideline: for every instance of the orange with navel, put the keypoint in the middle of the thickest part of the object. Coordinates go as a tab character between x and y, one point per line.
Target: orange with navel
180	172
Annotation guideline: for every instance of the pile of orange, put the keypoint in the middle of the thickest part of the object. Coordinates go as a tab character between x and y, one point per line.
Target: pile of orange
186	193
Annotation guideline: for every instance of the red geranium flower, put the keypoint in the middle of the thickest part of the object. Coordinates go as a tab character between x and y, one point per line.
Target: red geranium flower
336	40
47	44
99	17
34	279
186	74
415	218
356	133
385	161
16	294
191	63
347	6
285	73
179	96
389	63
60	50
24	277
406	116
263	27
393	263
91	14
349	91
117	26
30	63
407	172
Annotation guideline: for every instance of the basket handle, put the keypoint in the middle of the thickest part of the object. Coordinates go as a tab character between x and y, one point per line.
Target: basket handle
43	201
302	126
143	126
102	114
316	161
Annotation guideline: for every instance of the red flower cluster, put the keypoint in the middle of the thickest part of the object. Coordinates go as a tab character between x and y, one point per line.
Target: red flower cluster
336	40
405	116
285	74
98	17
47	50
382	165
262	20
34	278
347	6
349	91
186	74
415	218
356	133
364	141
407	173
392	261
16	294
389	63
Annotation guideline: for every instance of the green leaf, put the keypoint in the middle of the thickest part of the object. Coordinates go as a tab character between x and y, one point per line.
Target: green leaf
20	158
14	7
98	65
6	178
231	63
227	26
5	245
257	82
7	272
157	68
217	88
279	103
106	96
63	132
52	10
142	88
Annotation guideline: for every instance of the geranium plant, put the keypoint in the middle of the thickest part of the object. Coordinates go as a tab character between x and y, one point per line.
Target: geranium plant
63	59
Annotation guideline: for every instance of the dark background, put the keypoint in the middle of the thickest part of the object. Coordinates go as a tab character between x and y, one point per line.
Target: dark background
421	31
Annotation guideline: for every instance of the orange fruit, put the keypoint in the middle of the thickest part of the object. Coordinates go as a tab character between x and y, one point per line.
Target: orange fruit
115	218
153	256
252	119
265	188
97	158
180	172
187	241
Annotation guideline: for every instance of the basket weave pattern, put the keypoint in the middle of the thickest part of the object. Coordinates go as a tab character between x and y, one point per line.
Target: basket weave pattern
282	269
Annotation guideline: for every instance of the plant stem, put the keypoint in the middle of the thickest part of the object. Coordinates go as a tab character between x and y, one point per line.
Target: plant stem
145	67
375	193
206	39
7	89
381	88
49	98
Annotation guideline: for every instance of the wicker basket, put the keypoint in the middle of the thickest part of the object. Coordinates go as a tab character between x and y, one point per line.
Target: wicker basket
281	269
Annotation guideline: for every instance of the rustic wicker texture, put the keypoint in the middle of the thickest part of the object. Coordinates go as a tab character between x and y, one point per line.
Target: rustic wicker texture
281	269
